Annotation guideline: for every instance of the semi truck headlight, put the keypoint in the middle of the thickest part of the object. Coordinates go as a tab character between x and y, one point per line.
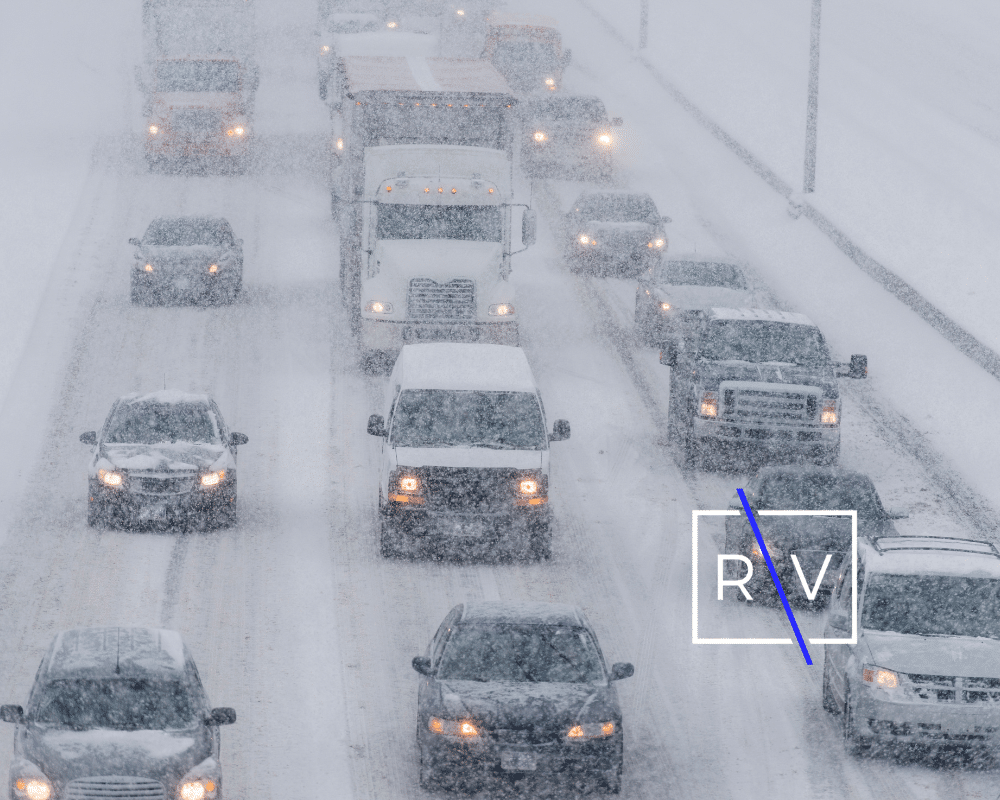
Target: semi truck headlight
829	415
709	405
110	478
604	139
540	136
882	678
591	730
213	478
378	307
453	727
501	310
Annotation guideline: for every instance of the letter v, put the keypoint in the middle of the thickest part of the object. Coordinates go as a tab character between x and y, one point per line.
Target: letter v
811	593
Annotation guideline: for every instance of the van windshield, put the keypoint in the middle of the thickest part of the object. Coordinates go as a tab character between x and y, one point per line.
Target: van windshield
444	418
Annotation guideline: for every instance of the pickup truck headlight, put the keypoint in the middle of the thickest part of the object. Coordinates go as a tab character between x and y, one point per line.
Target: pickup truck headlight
829	414
879	677
532	490
664	306
709	405
110	477
591	730
405	486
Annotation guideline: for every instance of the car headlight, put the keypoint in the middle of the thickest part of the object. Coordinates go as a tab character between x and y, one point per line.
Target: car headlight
34	788
154	129
198	790
501	310
340	144
378	307
528	486
829	414
148	268
110	477
664	306
657	243
453	727
709	405
236	130
324	48
213	478
213	268
540	136
405	486
879	677
591	730
604	139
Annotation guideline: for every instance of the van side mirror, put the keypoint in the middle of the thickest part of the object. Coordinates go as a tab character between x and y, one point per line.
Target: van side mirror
621	670
529	227
222	716
668	354
560	430
236	439
617	122
376	425
90	437
666	220
13	714
422	664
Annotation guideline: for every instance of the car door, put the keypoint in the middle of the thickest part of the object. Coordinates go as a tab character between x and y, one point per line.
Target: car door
840	657
426	692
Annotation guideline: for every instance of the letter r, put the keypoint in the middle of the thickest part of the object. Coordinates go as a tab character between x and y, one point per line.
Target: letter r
739	581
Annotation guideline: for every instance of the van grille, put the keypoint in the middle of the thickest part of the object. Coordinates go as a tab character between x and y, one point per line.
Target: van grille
114	787
455	300
471	490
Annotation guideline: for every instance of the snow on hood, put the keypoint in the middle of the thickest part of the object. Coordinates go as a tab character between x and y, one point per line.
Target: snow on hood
178	100
619	226
518	705
935	655
144	744
165	396
481	457
164	457
439	259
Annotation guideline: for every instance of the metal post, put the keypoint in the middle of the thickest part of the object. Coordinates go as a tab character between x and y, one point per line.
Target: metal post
809	182
643	22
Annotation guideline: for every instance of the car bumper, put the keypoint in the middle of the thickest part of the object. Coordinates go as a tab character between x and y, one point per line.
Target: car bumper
165	281
784	438
443	528
389	335
929	723
133	508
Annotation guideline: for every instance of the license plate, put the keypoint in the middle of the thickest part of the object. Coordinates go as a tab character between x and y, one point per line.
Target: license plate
465	529
518	762
153	513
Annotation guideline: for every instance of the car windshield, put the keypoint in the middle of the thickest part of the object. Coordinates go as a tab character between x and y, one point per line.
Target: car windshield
763	341
568	109
933	605
510	652
404	221
116	703
525	59
440	418
159	423
617	208
821	492
185	232
700	273
197	76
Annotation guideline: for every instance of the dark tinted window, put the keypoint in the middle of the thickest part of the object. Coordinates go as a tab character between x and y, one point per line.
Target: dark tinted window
476	223
116	703
566	109
762	341
700	273
197	76
815	492
617	208
440	418
186	231
933	605
159	423
533	653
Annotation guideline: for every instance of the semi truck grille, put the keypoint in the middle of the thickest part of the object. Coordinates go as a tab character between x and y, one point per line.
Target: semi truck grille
759	405
948	689
114	787
455	300
470	490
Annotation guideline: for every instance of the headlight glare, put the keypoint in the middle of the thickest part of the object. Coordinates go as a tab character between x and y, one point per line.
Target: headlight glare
584	239
148	268
110	478
540	136
213	478
501	310
453	727
604	139
193	790
324	48
378	307
33	788
154	129
591	730
709	405
664	306
528	486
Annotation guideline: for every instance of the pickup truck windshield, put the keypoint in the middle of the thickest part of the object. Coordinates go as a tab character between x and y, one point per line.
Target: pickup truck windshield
583	110
700	273
440	418
473	223
197	76
763	341
933	605
186	232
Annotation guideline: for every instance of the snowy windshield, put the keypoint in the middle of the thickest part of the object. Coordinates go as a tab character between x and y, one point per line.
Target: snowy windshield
433	123
440	418
116	703
197	76
617	208
532	653
933	605
763	341
817	492
700	273
566	109
474	223
185	232
161	423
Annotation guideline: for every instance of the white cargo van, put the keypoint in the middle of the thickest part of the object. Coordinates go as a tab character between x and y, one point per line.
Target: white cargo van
465	452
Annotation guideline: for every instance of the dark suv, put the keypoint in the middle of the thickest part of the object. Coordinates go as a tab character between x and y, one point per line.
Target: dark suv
117	714
615	233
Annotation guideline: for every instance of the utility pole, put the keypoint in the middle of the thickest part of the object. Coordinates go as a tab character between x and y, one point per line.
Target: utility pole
812	106
643	23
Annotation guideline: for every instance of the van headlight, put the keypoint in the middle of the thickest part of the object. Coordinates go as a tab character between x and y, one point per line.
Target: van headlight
110	477
36	787
210	479
406	486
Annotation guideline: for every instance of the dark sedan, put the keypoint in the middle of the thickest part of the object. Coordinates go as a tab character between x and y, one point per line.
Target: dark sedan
187	258
518	690
614	233
810	539
162	458
567	137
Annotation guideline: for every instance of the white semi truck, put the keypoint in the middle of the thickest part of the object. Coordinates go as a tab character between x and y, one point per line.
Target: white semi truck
423	187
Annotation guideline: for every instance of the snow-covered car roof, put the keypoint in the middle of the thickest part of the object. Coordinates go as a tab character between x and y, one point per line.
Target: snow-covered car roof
99	652
459	366
931	555
760	314
524	613
164	396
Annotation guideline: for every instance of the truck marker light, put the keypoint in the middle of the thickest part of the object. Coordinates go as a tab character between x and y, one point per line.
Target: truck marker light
426	190
388	188
325	48
490	191
440	190
454	190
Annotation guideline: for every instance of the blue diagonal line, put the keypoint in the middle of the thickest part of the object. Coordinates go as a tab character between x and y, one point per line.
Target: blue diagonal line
774	576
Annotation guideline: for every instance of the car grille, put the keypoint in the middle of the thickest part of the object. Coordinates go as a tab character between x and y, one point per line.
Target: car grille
472	490
949	689
622	244
148	485
526	736
455	300
762	405
113	787
196	124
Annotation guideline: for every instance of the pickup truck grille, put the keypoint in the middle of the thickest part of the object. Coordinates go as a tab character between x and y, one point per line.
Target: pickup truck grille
470	490
760	405
949	689
430	300
113	787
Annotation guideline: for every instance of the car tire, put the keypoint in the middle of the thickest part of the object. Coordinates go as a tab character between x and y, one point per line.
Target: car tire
854	742
829	703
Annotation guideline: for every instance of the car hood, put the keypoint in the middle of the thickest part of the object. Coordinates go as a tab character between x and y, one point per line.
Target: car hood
527	705
935	655
65	755
711	373
179	100
166	457
618	227
704	296
181	253
477	457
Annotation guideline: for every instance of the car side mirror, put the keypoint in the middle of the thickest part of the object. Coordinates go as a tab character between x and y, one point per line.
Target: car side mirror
13	714
858	367
529	227
422	664
236	439
90	437
560	430
376	425
617	122
668	355
221	716
622	670
135	242
566	57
